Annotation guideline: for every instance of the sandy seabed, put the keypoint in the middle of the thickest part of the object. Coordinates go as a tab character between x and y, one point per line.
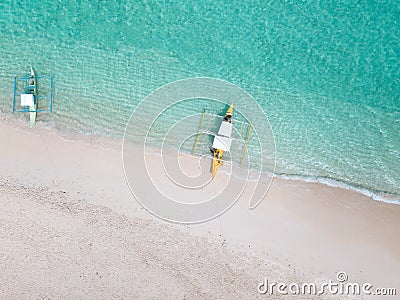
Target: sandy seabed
71	229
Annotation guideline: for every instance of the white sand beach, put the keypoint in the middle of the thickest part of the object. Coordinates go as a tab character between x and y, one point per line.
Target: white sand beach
71	229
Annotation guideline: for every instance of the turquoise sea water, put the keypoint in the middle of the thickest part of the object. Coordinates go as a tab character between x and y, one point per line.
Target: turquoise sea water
326	74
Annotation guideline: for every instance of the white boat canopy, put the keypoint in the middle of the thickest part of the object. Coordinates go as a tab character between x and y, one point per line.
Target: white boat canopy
222	142
27	100
225	129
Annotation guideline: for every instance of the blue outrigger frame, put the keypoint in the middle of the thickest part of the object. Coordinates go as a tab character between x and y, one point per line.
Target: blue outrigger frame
27	90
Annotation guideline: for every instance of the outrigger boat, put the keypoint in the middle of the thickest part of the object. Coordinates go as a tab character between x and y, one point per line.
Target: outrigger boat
29	95
222	141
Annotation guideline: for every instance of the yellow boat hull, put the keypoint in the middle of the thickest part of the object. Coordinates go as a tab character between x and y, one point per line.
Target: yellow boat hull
218	153
217	161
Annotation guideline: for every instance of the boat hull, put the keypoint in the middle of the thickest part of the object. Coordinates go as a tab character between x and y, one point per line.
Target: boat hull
217	161
222	141
32	90
32	116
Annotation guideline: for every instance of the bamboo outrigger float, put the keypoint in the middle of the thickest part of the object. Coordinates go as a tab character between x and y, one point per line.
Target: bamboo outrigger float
222	141
247	142
198	132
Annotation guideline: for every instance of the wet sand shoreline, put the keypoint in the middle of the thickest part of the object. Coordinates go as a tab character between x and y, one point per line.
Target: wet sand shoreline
301	231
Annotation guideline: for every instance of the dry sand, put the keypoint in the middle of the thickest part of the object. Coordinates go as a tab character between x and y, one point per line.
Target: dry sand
70	228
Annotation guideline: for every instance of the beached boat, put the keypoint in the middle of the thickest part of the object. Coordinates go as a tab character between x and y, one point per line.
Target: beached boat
26	87
222	141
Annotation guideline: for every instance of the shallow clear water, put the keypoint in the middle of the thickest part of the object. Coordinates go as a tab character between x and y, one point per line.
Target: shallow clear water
327	75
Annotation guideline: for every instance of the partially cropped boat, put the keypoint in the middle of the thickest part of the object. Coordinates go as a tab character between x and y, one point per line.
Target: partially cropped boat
26	88
222	141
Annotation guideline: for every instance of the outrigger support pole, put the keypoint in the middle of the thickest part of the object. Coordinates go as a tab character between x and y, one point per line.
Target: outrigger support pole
198	132
247	142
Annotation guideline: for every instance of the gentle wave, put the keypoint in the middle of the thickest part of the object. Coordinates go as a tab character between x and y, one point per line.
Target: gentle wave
378	196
